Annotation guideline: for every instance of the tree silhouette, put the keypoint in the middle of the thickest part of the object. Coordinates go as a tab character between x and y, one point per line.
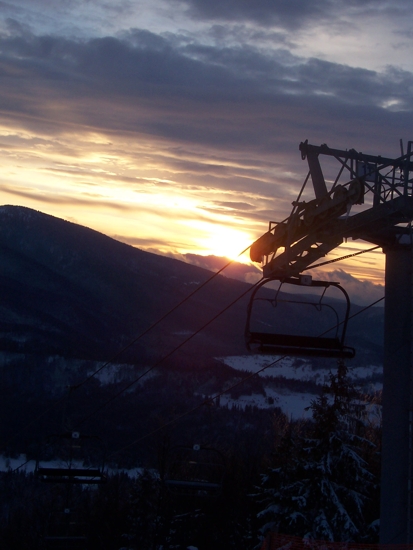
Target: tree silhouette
321	485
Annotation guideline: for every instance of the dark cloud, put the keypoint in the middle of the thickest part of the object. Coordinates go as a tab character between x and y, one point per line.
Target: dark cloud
217	99
222	109
246	34
60	199
288	14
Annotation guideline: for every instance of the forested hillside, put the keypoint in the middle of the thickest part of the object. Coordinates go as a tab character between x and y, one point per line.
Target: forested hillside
78	356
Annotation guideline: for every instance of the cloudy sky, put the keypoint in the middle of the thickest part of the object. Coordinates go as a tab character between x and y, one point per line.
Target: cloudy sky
174	125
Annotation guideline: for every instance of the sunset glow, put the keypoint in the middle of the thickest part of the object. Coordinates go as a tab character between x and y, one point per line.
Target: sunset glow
175	127
223	241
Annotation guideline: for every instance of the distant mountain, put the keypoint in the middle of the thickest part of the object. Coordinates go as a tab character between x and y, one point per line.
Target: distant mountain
71	291
74	300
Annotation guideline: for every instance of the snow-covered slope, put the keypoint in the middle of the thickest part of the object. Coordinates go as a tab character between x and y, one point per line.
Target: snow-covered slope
293	403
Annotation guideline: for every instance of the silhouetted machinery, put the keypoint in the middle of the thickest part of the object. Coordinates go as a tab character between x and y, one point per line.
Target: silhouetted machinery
370	198
378	188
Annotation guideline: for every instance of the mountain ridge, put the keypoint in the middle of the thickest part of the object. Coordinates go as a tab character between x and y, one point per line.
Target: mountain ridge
70	290
75	300
60	276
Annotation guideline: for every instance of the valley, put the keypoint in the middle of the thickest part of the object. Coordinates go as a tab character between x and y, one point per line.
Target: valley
146	353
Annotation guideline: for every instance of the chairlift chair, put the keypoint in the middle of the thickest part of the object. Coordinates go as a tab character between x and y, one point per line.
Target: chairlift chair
196	471
271	341
73	445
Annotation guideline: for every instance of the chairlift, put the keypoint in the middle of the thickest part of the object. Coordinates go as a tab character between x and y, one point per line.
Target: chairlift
273	341
71	450
196	471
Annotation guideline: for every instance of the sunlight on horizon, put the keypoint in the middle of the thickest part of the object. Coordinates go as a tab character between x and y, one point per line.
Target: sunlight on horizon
219	240
138	195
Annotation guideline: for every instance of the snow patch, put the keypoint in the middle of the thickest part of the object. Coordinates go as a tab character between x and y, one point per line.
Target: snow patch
293	369
29	466
294	404
114	373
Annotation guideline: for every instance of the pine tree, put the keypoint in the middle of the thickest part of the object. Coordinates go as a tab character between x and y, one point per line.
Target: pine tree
321	483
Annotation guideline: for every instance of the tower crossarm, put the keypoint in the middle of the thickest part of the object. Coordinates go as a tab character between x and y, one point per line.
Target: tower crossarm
380	189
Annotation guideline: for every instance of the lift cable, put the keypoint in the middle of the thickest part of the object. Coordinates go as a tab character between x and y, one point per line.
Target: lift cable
342	258
173	351
218	395
146	331
167	356
107	363
156	364
209	400
176	349
156	323
182	343
195	333
118	354
77	386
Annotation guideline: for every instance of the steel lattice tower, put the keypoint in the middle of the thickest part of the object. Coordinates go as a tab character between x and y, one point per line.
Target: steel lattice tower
379	193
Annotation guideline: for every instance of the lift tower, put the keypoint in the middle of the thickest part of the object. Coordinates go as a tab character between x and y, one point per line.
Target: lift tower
375	204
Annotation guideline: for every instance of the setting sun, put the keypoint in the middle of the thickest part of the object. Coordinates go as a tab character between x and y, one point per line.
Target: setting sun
225	241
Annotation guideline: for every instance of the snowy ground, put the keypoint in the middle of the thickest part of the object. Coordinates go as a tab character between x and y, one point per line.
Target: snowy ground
294	404
21	463
117	372
287	367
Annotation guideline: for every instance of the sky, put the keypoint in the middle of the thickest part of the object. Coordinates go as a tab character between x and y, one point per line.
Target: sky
174	125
